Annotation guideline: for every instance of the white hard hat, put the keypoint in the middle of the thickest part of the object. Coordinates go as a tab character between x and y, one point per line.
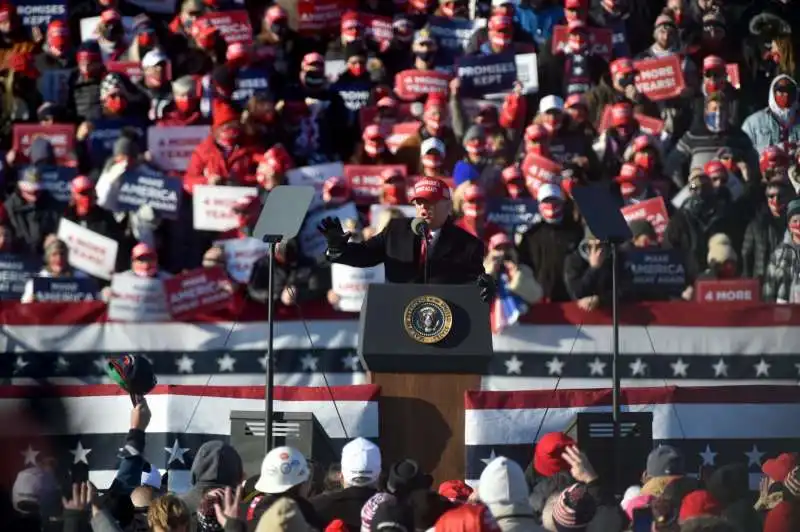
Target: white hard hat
282	469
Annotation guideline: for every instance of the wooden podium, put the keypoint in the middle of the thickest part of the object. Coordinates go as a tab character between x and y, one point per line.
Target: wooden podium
424	345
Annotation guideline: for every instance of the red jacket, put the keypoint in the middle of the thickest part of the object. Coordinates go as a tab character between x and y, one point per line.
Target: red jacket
237	168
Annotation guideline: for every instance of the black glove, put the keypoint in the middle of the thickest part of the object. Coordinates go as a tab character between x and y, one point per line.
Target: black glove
487	286
331	229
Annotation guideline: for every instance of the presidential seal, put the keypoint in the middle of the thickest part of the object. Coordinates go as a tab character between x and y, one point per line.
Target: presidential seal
428	319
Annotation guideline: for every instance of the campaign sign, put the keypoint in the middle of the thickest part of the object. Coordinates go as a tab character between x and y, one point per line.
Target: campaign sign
513	215
249	81
656	274
375	210
541	169
365	180
660	78
105	133
65	290
54	85
734	78
312	243
140	299
61	136
600	41
378	28
647	124
89	252
130	69
452	36
212	206
15	271
320	16
234	26
89	29
144	186
399	133
314	176
486	74
728	291
241	254
354	95
653	210
56	180
198	291
527	75
414	84
351	284
171	147
39	13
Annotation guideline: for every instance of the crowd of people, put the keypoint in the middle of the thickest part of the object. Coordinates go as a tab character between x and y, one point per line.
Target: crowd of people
559	491
713	166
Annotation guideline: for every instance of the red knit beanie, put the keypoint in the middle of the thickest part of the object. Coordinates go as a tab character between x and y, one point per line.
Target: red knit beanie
698	503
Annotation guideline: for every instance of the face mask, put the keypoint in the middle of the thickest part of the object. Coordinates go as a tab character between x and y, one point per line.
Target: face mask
551	122
83	203
712	85
629	190
475	148
472	210
500	40
393	195
794	228
551	211
427	56
431	163
145	39
775	205
228	137
645	161
515	190
726	270
356	69
783	99
313	79
116	105
374	147
185	104
714	121
145	268
433	125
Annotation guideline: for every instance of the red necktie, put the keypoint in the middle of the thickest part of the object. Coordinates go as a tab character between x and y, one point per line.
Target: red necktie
423	252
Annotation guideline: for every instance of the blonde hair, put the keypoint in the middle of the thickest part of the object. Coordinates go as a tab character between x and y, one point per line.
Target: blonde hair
168	513
786	63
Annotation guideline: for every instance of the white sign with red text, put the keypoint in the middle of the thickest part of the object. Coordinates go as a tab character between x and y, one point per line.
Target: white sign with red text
171	147
139	299
89	252
350	284
213	206
240	256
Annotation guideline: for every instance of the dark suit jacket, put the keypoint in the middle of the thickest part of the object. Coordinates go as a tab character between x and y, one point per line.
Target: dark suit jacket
456	257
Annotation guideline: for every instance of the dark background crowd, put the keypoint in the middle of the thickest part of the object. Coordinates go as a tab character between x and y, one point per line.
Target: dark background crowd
722	159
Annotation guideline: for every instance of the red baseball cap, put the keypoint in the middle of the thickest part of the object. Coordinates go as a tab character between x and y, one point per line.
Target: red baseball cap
576	4
500	239
698	503
713	62
622	66
714	167
778	468
455	490
621	114
430	189
547	457
142	250
81	184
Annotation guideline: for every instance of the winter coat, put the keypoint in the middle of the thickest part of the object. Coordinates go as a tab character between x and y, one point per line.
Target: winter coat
782	271
209	159
762	236
32	222
699	145
83	97
345	504
544	248
765	128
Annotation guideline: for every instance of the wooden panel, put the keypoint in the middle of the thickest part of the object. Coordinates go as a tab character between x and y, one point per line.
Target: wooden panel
422	417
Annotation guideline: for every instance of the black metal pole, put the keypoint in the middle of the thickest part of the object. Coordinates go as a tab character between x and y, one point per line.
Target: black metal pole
269	387
615	388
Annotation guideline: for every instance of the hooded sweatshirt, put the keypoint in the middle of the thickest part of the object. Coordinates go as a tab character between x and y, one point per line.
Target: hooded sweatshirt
773	125
216	465
504	489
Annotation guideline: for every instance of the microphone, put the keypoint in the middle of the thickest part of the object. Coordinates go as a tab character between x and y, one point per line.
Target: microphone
419	226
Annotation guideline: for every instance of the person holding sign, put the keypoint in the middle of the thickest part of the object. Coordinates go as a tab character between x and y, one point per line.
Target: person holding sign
55	265
84	211
452	255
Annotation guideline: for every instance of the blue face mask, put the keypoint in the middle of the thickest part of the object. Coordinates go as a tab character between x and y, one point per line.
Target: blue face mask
715	121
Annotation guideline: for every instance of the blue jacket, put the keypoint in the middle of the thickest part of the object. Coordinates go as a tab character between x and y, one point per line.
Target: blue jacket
765	127
538	23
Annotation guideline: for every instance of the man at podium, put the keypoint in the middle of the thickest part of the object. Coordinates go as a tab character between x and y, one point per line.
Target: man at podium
429	249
